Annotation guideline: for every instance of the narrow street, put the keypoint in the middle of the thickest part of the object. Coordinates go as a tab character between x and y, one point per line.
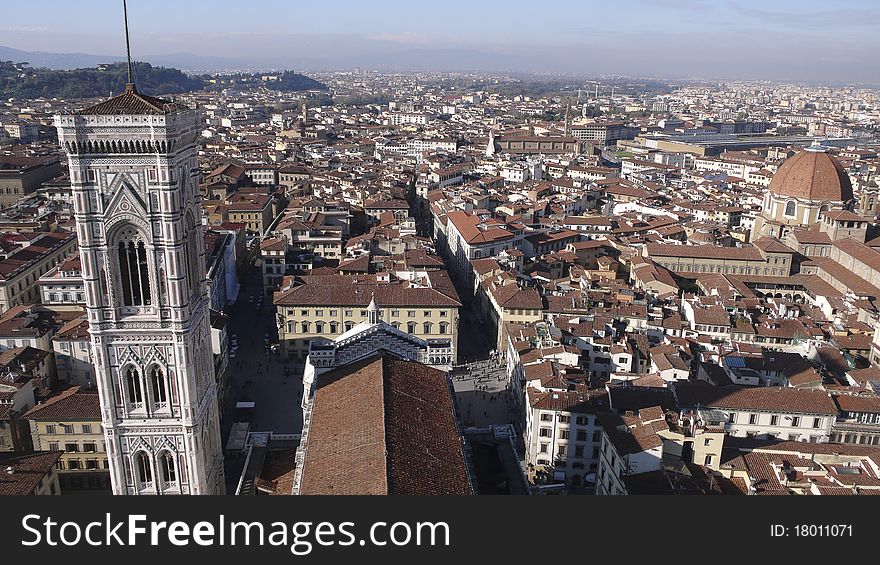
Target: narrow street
255	373
474	340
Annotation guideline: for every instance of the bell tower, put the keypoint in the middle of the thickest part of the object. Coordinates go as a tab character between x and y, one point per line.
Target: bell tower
134	172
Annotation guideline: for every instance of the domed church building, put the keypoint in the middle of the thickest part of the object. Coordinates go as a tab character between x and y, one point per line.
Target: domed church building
807	184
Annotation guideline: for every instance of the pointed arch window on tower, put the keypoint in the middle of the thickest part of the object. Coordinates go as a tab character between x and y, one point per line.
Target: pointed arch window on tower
192	253
158	388
144	470
134	270
133	389
166	468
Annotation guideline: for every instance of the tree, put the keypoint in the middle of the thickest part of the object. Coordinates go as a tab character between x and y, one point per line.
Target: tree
92	82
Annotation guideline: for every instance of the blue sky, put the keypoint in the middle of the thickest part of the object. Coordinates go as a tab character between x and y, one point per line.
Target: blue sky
806	39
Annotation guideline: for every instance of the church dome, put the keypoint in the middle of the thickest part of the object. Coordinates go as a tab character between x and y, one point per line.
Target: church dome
812	174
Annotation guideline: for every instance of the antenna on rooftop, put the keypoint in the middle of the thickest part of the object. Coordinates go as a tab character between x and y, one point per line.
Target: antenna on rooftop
130	84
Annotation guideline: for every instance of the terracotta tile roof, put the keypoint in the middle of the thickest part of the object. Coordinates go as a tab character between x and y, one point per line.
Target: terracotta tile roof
512	296
745	253
583	400
860	252
25	320
773	245
852	403
74	330
132	102
273	244
72	404
767	398
468	226
384	426
357	290
24	358
71	264
420	258
846	277
28	470
844	216
812	175
395	204
714	315
862	376
629	434
276	476
23	258
764	477
635	398
358	264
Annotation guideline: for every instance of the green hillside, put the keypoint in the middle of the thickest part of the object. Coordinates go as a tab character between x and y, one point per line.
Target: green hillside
21	81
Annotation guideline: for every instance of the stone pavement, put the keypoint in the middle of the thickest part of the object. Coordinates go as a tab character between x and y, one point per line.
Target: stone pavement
482	393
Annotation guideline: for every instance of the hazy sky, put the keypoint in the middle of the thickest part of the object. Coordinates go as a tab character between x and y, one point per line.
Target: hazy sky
834	40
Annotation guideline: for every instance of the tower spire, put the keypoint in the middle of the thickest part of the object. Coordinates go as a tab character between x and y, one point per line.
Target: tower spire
129	86
567	114
373	310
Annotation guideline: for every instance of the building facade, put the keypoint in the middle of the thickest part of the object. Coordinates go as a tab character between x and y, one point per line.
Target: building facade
71	422
134	172
327	306
20	270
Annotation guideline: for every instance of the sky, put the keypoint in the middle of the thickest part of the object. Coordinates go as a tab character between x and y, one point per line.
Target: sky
803	40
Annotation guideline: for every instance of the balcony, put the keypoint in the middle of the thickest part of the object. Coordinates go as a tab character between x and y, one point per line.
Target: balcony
854	426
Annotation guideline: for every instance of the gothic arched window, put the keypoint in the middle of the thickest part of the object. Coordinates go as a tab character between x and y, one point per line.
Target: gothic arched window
789	208
134	270
157	386
133	386
192	253
166	467
163	288
103	284
143	468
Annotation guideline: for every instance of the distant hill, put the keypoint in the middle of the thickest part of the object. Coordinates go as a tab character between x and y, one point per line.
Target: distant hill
64	61
24	82
286	81
68	61
290	81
